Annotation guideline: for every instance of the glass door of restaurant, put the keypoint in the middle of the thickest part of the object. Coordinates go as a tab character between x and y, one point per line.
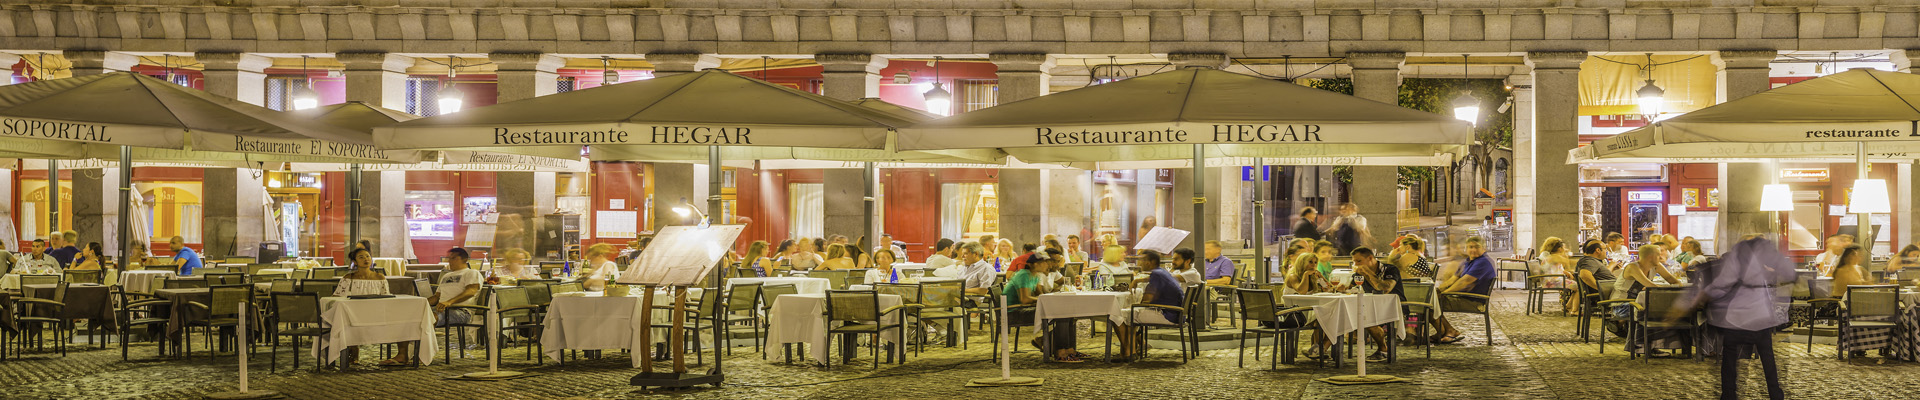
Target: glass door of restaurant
1644	215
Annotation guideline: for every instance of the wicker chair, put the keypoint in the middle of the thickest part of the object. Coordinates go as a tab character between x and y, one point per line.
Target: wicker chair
858	312
1261	315
302	311
136	310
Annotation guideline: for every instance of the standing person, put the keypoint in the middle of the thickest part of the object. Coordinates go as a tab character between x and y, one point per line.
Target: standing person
1309	226
1741	299
1476	276
183	255
457	287
63	249
600	267
942	255
1349	230
1219	269
886	245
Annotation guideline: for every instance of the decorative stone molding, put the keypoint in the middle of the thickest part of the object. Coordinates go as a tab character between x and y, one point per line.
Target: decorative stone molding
1209	60
525	62
1556	59
679	63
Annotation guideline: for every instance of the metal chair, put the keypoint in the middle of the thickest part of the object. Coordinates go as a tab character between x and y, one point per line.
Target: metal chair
1537	292
422	287
130	312
83	275
476	316
1180	322
569	287
1660	308
516	305
996	295
39	314
704	309
1867	307
40	279
1908	275
857	312
1464	302
222	312
910	298
1526	264
302	310
225	278
944	300
322	287
1262	315
743	297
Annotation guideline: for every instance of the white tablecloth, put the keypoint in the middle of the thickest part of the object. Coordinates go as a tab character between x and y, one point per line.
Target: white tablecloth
592	321
1082	304
802	318
803	285
1337	318
142	281
392	266
375	321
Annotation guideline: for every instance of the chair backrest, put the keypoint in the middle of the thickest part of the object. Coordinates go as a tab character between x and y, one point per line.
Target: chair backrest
1803	283
1878	275
743	297
1418	292
283	285
254	268
1873	300
227	299
225	278
535	282
944	294
1909	274
422	287
539	295
323	287
509	297
569	287
836	279
1257	305
710	303
1196	300
296	307
1661	300
744	273
857	276
909	292
853	305
770	293
82	276
40	279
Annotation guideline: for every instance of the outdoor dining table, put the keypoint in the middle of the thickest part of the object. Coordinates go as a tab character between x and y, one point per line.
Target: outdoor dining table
1343	314
1094	304
179	313
374	321
142	281
802	318
595	321
800	284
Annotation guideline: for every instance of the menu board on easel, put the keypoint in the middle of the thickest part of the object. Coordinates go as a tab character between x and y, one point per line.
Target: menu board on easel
681	255
1161	239
480	236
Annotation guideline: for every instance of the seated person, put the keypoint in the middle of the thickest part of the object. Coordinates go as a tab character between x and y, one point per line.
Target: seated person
1025	288
1161	288
1476	275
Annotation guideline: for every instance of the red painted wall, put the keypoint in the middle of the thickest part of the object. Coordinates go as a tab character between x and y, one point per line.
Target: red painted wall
463	185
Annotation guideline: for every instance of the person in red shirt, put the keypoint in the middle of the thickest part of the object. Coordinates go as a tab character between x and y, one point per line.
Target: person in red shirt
1026	250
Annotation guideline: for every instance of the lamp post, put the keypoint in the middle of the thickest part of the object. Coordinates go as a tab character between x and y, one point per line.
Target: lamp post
939	100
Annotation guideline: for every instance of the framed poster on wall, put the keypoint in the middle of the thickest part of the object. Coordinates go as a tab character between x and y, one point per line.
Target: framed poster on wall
429	214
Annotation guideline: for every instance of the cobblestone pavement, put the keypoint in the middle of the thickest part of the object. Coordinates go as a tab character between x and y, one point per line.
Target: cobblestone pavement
1536	357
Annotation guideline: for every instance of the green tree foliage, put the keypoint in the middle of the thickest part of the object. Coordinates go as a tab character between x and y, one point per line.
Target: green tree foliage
1495	128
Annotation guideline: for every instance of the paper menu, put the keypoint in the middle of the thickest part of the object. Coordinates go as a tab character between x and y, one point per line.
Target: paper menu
681	255
1161	239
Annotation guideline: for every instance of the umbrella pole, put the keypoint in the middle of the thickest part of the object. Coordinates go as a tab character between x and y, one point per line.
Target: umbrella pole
868	183
126	206
353	206
713	187
53	196
1260	220
1863	221
1199	195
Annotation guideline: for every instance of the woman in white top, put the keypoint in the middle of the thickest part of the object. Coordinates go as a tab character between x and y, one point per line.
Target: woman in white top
882	271
361	279
1113	261
516	268
601	269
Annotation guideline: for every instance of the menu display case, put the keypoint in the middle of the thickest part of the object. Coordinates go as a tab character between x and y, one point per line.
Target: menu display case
430	214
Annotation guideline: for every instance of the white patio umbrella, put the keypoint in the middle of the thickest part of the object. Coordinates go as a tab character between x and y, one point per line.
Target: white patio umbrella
1186	117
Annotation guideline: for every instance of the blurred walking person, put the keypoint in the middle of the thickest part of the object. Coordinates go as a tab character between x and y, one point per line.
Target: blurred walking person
1746	298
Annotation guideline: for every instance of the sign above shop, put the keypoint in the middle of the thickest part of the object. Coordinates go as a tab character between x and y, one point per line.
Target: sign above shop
1646	195
1806	174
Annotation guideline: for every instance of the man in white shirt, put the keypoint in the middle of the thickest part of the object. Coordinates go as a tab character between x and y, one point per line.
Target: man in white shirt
457	287
886	243
942	256
37	261
979	274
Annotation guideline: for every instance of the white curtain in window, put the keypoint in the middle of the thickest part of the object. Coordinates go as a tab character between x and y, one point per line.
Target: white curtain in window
807	207
958	203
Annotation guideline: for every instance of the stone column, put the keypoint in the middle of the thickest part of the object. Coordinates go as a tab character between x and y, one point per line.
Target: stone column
1182	206
672	184
376	78
1021	76
1376	76
670	64
1743	73
522	76
391	241
1523	159
1556	130
219	189
237	75
95	62
1070	202
850	76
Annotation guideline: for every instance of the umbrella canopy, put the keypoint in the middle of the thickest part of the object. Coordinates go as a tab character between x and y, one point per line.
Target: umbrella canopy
363	117
91	116
675	118
1160	117
1820	118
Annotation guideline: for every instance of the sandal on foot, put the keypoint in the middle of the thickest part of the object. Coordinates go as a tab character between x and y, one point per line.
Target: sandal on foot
1449	340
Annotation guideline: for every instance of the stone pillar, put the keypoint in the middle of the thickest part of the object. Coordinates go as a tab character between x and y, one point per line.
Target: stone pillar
237	75
1556	130
1022	75
1743	73
844	199
219	189
90	205
518	222
1070	200
95	62
670	64
850	76
1523	159
672	186
522	76
1181	206
1376	76
392	239
376	78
